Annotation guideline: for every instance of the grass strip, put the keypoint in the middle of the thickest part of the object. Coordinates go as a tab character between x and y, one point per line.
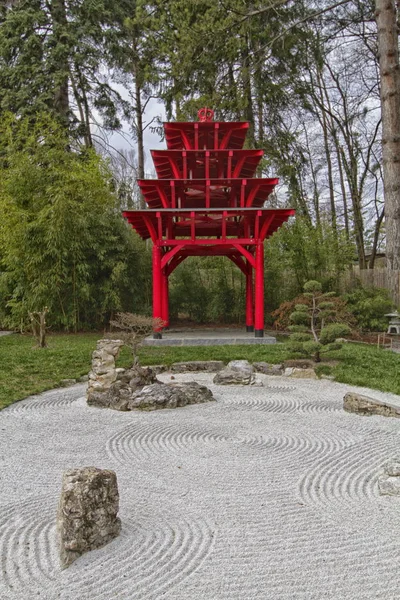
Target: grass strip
25	370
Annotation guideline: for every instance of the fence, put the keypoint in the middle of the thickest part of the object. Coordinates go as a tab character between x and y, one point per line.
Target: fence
373	278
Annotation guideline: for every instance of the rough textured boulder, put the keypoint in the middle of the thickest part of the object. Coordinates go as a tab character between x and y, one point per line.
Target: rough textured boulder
87	512
103	373
171	395
137	388
207	366
389	482
118	395
267	368
363	405
237	372
300	373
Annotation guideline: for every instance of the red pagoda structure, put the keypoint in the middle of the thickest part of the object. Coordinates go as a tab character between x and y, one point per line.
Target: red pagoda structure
207	202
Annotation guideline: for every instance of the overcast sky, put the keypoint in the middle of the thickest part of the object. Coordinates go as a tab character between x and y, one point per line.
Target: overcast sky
152	140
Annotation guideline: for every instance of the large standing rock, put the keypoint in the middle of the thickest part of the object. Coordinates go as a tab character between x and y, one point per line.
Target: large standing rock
237	372
363	405
103	373
171	395
389	482
207	366
87	512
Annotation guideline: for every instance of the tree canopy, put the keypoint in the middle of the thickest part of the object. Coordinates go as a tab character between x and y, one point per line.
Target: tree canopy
311	79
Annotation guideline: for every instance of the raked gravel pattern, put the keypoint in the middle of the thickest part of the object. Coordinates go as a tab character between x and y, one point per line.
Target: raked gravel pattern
268	493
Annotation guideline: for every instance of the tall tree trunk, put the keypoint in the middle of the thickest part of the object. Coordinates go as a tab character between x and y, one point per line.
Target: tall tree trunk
60	25
343	189
139	129
323	120
371	263
248	112
386	15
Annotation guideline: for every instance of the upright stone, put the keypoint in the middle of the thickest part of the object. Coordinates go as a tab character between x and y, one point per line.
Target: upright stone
103	373
87	512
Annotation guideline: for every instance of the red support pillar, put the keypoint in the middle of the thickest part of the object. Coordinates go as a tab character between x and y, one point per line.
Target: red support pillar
249	298
259	304
157	289
165	299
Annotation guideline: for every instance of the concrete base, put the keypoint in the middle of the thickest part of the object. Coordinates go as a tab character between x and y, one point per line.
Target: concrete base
207	337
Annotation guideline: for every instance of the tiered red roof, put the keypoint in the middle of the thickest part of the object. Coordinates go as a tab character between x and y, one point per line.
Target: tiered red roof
207	201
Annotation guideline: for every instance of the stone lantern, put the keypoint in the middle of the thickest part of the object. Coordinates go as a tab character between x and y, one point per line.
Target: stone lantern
394	322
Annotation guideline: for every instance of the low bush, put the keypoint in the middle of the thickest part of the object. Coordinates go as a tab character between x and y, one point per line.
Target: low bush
369	306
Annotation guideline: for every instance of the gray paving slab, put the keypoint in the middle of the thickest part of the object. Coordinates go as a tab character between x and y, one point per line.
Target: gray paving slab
207	337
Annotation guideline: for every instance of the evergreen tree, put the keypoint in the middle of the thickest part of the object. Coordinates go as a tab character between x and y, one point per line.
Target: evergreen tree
54	56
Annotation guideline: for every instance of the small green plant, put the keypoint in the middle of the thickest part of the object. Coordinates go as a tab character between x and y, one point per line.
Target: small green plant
311	336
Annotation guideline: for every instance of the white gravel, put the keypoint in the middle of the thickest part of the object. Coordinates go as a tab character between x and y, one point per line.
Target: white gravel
266	494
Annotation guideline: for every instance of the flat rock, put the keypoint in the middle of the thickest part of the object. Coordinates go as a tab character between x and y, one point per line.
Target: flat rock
230	376
364	405
87	512
267	368
206	366
169	395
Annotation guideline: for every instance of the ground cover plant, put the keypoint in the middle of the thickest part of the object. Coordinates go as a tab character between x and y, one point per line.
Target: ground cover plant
25	370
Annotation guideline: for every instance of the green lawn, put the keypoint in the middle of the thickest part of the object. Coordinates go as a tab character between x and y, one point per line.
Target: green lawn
25	370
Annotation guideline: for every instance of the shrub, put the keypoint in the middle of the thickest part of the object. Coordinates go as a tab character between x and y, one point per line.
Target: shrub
312	317
282	314
369	305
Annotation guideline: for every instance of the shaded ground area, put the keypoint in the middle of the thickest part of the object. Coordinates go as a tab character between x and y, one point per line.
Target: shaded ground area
267	493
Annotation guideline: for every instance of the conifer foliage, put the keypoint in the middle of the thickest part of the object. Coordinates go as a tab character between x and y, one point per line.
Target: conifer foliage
312	334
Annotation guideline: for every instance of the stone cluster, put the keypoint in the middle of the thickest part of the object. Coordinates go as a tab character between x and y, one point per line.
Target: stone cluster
389	482
205	366
136	388
299	369
87	512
